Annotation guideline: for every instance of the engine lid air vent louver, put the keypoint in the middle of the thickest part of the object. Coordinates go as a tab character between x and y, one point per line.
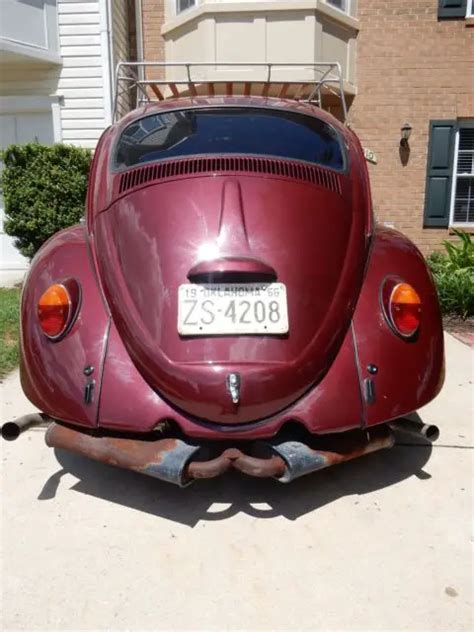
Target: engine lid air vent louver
238	164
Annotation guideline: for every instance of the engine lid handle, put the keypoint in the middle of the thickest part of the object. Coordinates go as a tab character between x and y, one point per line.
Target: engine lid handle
232	269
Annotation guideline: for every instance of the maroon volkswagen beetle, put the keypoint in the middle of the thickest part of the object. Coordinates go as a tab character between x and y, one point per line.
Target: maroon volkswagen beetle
229	301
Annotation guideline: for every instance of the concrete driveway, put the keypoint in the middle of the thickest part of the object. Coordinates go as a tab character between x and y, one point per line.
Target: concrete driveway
382	543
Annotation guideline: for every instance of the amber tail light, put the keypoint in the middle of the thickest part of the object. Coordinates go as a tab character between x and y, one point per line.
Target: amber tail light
58	307
402	308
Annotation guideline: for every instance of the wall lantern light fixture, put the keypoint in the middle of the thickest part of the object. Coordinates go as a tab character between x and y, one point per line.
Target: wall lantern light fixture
406	133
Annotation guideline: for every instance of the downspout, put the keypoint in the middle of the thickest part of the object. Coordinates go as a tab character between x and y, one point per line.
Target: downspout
106	47
139	36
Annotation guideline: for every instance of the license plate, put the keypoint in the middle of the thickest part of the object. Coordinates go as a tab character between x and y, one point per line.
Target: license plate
232	308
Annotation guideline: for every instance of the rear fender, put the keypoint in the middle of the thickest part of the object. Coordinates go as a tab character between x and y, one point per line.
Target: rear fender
52	373
403	375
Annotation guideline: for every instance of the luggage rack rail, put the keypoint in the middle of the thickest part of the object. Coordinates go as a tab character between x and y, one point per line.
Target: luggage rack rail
134	85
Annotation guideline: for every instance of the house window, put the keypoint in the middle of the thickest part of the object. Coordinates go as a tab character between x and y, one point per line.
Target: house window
450	174
470	9
343	5
182	5
462	201
448	9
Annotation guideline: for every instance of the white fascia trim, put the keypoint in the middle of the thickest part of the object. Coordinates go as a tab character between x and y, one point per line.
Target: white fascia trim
30	53
106	57
256	7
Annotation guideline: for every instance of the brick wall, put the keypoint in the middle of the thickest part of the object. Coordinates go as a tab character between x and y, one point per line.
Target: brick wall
153	12
410	67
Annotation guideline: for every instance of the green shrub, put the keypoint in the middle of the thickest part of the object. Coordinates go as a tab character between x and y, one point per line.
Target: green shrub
454	275
44	188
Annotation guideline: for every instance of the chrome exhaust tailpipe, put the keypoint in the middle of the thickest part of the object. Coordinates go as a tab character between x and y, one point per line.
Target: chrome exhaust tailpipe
301	459
11	430
416	428
166	459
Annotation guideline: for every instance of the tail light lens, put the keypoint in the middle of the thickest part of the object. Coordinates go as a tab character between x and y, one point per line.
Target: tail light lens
58	307
403	308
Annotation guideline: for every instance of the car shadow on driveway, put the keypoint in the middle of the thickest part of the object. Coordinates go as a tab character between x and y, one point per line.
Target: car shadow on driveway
234	492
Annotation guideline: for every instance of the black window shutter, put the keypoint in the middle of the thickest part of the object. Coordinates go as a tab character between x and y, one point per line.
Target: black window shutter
452	8
439	173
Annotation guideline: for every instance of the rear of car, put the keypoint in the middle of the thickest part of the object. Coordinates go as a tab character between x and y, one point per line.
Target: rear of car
232	303
259	262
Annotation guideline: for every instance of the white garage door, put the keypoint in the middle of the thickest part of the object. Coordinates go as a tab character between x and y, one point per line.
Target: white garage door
19	129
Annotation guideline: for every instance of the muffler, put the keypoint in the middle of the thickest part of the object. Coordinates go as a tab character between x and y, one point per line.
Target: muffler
301	459
11	430
166	459
416	428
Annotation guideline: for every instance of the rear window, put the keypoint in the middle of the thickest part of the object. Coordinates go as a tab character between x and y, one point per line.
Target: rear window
244	131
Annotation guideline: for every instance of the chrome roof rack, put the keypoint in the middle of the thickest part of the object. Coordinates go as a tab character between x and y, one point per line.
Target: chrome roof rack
141	82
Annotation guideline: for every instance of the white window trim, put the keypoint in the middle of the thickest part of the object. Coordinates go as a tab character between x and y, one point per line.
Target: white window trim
452	223
346	10
470	9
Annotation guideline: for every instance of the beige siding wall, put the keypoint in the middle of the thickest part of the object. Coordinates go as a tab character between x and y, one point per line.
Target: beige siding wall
24	80
82	80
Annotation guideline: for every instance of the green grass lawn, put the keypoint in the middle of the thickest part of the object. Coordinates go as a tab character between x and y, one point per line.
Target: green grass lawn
9	329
